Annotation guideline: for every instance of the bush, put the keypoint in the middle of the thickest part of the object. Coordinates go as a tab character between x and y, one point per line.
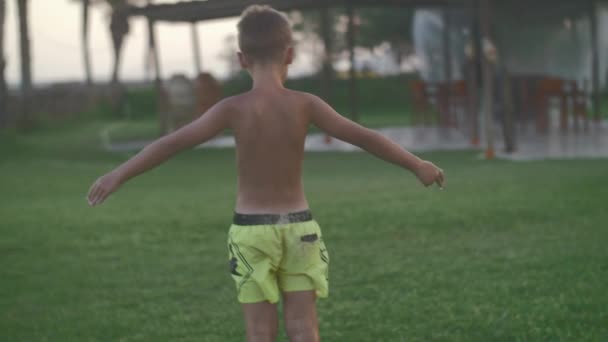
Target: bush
387	94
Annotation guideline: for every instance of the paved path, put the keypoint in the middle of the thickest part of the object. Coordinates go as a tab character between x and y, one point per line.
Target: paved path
413	138
530	146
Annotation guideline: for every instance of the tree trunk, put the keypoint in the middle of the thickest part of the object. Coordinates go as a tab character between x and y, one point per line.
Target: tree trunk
196	49
488	80
85	43
161	97
446	112
350	38
3	88
327	71
119	27
26	71
508	113
327	67
399	54
595	60
86	54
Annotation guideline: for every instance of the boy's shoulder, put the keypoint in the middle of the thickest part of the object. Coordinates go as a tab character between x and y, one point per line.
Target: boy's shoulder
306	100
243	99
303	95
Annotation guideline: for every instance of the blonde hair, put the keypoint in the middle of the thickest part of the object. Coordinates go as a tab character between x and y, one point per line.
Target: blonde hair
264	34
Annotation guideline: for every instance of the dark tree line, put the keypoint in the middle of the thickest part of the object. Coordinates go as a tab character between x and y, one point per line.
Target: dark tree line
374	26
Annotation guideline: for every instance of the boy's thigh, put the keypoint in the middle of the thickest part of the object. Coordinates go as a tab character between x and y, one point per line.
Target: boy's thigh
254	253
300	304
261	318
300	314
305	264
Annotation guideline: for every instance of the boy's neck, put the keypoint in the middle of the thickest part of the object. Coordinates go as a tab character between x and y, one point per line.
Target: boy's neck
268	76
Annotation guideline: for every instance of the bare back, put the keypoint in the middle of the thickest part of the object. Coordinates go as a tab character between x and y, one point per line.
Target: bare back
270	130
270	127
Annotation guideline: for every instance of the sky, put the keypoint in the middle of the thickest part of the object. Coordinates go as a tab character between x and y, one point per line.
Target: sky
56	52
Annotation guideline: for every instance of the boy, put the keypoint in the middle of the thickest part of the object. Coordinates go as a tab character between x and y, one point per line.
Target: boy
275	247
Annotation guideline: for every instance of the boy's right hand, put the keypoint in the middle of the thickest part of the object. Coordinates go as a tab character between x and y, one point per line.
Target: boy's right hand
102	188
428	174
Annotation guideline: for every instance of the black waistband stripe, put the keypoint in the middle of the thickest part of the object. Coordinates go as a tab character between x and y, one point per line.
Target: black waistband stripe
268	219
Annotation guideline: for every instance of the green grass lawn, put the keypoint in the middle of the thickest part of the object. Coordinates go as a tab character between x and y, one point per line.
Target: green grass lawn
508	252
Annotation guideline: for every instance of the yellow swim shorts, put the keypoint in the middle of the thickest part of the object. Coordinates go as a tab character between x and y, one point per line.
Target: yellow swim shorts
269	254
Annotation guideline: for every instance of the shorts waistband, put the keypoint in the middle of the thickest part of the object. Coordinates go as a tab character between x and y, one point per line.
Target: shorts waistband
269	219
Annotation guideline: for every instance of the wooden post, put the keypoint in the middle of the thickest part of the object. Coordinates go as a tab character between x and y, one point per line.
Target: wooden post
196	49
3	86
508	119
488	81
26	60
158	84
595	61
119	28
85	44
327	68
477	42
575	89
350	37
475	72
154	51
446	110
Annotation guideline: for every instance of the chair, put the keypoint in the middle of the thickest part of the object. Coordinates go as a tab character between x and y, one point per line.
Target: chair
548	88
422	102
580	95
460	99
449	98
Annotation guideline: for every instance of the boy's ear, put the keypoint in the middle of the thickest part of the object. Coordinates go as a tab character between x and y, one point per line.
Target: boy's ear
243	60
290	55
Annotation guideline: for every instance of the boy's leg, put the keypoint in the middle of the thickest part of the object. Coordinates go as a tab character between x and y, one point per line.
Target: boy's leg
262	322
300	314
253	254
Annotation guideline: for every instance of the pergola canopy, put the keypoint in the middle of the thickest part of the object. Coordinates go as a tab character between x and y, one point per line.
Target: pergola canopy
193	11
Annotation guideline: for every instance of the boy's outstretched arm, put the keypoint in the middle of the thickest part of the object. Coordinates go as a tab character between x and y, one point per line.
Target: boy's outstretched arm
214	121
327	119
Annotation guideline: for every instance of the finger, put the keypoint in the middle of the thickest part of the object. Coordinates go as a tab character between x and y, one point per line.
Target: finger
97	195
91	189
93	194
440	180
104	196
101	196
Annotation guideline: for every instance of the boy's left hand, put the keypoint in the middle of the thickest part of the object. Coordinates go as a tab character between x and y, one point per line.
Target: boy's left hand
429	174
102	188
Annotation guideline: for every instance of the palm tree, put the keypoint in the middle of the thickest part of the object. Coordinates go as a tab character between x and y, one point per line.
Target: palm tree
119	28
158	86
3	90
84	36
26	60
